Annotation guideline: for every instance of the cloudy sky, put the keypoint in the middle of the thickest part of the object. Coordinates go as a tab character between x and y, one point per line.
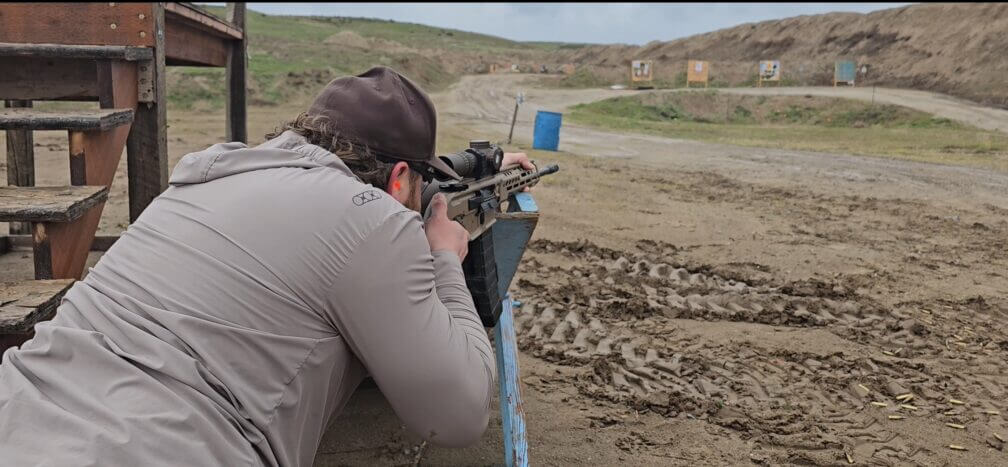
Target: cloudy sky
630	23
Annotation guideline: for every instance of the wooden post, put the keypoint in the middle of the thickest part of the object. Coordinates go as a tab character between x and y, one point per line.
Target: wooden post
147	145
513	119
236	127
20	162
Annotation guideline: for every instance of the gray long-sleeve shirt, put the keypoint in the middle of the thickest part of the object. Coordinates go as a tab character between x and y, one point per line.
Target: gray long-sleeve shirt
236	316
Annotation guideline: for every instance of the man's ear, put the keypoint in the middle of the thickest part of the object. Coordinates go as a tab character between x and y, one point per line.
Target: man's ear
399	173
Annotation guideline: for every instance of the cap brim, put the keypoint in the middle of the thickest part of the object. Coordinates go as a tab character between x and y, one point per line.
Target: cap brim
443	167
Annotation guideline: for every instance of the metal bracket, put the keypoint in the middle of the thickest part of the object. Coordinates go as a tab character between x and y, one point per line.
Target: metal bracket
145	81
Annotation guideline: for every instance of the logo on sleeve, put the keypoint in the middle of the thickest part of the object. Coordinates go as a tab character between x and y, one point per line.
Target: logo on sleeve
363	198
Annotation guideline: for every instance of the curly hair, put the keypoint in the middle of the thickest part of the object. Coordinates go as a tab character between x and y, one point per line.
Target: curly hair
320	131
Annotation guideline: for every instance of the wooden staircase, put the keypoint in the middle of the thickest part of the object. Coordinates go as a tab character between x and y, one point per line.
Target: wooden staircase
115	54
63	220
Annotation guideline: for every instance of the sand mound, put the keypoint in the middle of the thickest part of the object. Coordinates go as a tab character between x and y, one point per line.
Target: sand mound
348	39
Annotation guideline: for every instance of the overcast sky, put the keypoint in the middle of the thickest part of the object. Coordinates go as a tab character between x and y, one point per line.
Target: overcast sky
630	23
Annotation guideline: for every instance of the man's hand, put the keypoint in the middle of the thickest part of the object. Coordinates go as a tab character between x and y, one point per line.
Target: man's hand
444	233
518	158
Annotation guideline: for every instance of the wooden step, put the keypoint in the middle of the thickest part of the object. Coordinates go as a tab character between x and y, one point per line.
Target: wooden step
22	304
48	204
78	120
91	52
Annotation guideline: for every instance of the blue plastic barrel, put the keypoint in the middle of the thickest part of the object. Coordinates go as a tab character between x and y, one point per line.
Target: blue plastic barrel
547	130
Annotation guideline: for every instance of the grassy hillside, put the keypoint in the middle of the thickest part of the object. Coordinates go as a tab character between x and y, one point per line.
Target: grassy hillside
294	56
950	48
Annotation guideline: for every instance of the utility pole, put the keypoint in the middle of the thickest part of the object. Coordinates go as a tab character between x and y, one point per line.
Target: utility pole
518	100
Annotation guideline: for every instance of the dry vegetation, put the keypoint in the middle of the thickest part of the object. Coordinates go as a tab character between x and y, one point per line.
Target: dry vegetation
800	122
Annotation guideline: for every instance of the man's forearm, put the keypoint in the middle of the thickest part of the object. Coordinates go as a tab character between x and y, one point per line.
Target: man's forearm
410	320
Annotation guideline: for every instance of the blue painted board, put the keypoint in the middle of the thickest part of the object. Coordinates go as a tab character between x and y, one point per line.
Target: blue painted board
511	409
844	70
546	132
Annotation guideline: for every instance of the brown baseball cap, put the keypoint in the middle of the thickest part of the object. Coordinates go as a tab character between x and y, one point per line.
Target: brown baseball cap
386	112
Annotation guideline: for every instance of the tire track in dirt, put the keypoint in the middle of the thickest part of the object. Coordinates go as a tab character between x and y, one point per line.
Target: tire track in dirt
618	317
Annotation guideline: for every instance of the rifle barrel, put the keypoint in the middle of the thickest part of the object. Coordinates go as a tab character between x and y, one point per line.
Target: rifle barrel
549	170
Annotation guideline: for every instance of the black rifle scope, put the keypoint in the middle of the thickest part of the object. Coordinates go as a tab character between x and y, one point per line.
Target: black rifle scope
480	160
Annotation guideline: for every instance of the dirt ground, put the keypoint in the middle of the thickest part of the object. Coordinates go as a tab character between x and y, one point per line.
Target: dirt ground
693	303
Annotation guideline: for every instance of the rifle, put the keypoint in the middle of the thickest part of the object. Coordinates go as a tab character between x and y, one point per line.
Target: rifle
476	202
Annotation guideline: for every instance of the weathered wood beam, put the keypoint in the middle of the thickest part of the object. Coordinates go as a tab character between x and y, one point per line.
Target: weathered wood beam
49	203
20	161
147	146
237	62
28	302
186	44
93	52
176	12
95	23
32	119
22	78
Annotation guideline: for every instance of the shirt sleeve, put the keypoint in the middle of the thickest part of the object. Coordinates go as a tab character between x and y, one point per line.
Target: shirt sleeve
407	315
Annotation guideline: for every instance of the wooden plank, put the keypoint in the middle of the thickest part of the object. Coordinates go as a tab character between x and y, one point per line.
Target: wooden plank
38	78
48	204
11	242
508	378
91	52
188	45
105	23
20	161
22	304
186	13
42	253
237	62
117	84
66	244
147	146
94	156
76	120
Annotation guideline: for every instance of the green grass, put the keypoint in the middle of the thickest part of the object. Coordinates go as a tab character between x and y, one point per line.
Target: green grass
291	57
823	124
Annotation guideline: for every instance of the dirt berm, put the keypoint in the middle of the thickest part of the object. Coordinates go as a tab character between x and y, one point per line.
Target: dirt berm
955	49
